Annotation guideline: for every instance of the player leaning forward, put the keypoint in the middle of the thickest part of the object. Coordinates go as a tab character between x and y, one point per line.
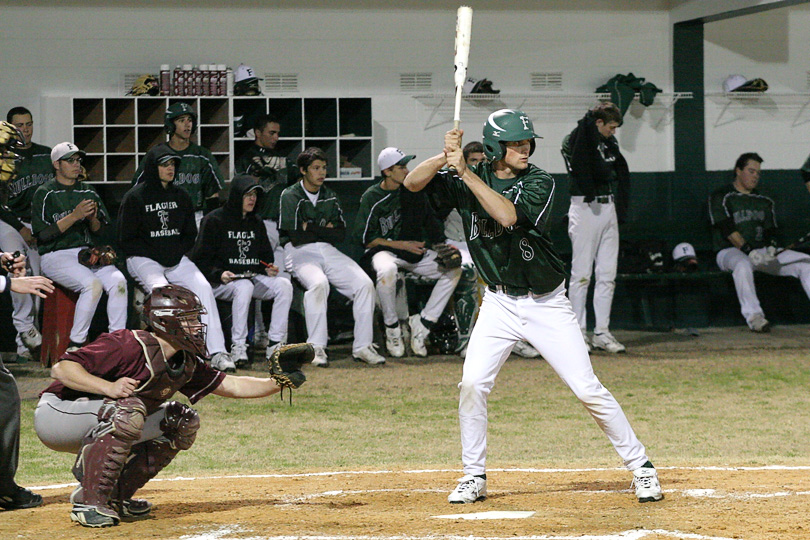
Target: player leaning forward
505	205
110	403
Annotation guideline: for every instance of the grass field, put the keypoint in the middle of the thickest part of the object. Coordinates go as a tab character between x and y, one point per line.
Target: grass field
727	397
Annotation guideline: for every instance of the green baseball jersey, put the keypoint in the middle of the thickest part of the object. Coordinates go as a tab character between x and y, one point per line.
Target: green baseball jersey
33	169
274	174
297	208
750	214
379	215
52	202
521	256
198	174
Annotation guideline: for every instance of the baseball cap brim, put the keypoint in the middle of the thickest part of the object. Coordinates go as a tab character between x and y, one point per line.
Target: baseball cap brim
405	160
168	157
71	154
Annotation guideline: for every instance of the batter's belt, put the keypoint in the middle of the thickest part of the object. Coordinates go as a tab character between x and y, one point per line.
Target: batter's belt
515	292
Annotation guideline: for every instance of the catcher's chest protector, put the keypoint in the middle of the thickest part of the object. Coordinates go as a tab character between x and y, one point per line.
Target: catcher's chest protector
164	381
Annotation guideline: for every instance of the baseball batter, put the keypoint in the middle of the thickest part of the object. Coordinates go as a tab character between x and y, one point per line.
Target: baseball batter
311	223
198	173
156	229
378	227
110	405
32	169
744	233
66	215
505	205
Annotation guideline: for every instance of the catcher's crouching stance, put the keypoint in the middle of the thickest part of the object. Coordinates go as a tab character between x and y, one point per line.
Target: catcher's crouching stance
109	403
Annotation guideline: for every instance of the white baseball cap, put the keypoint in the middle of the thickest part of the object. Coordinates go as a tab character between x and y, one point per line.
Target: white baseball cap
684	250
733	82
393	156
65	150
244	73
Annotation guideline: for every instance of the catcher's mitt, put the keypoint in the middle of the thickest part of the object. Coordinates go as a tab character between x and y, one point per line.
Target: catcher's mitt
98	256
285	365
449	257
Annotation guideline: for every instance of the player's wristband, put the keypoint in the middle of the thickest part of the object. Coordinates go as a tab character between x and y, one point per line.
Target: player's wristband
746	248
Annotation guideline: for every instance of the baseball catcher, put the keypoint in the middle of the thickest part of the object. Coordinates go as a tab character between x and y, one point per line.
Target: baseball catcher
111	404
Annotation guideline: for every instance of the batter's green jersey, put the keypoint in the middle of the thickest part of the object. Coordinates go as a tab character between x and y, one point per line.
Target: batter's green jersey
274	174
52	202
750	214
34	169
198	174
297	208
521	256
379	215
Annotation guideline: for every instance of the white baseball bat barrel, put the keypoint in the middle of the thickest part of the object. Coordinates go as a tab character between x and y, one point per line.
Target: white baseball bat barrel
463	33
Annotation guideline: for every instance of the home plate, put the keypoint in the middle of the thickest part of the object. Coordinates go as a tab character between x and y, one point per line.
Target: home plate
496	514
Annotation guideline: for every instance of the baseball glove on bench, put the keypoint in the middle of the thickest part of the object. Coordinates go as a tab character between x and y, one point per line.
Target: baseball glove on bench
285	365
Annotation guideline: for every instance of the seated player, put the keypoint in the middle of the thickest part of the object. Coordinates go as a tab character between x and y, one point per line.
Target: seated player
110	403
232	251
379	228
66	216
156	228
311	223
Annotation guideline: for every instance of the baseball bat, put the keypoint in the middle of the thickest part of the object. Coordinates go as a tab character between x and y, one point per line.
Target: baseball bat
463	33
803	240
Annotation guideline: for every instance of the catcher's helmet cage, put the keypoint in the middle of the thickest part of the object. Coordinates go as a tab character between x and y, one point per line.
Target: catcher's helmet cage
506	125
175	110
173	312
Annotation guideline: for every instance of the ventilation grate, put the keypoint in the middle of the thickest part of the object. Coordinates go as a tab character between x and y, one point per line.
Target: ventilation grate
415	82
280	82
547	81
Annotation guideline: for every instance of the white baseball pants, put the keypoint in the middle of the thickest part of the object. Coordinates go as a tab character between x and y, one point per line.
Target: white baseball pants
386	265
594	232
64	268
549	324
317	265
150	274
788	263
241	291
24	305
278	256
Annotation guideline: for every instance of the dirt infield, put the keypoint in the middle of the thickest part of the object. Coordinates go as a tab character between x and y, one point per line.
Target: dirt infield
700	503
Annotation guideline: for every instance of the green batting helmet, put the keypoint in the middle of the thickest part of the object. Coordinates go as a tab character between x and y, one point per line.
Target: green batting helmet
506	125
175	110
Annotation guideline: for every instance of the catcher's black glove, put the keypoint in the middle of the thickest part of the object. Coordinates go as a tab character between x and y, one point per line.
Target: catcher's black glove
285	365
449	257
96	257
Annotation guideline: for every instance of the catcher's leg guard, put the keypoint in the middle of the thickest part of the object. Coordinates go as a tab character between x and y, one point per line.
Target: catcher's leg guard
466	300
101	459
148	458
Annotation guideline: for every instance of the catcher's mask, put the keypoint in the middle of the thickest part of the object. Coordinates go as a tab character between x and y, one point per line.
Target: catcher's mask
174	314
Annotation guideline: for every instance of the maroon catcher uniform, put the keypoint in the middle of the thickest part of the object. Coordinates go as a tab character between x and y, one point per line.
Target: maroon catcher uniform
110	404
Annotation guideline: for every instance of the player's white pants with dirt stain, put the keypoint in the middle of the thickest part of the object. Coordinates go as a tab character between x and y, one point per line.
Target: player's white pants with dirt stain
61	425
788	263
24	305
386	265
594	232
549	324
150	274
241	291
64	268
318	264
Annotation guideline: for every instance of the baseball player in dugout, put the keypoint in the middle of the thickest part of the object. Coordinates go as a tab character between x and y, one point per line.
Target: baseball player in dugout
311	223
13	496
110	403
505	205
232	251
156	228
600	183
379	228
745	235
32	169
468	295
198	172
67	215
